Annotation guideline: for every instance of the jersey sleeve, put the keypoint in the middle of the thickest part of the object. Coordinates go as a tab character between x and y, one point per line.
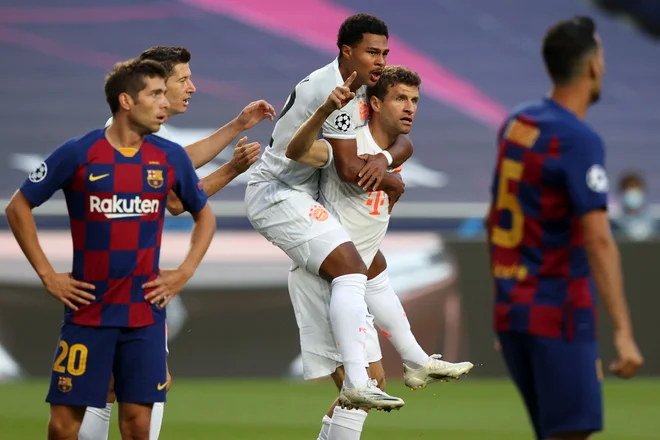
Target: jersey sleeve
339	125
187	185
586	178
52	174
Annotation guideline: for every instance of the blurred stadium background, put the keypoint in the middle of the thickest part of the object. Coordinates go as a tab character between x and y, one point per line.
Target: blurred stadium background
233	339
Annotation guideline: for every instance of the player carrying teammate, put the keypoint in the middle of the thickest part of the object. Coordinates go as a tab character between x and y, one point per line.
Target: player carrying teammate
180	89
393	103
116	182
281	196
551	246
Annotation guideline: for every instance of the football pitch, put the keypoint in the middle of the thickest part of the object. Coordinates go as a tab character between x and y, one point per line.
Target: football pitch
471	409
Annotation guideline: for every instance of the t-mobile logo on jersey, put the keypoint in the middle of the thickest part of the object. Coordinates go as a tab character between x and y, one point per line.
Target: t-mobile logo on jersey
120	208
375	200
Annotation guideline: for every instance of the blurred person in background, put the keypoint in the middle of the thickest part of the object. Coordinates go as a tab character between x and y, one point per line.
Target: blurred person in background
634	221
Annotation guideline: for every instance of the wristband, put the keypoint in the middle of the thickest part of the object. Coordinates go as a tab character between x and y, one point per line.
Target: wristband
388	156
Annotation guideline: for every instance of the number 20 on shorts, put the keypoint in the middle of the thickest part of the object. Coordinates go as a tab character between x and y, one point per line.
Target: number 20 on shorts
76	359
510	171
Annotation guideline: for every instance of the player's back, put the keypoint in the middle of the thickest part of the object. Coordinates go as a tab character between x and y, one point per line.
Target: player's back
549	173
288	175
116	200
364	215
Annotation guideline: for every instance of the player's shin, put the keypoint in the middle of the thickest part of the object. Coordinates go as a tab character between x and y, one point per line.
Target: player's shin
347	424
385	305
348	316
96	424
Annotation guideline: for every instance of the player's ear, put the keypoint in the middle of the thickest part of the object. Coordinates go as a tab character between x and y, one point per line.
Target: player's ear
374	103
346	51
125	101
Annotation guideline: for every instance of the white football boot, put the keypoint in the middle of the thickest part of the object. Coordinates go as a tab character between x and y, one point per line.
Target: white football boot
368	396
435	370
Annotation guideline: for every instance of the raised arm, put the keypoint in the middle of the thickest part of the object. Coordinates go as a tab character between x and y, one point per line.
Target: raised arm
245	155
204	150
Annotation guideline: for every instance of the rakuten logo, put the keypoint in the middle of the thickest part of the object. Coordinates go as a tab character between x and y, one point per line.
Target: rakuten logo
120	208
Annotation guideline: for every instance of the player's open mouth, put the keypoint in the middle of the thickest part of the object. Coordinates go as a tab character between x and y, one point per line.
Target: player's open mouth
407	120
185	102
375	76
162	119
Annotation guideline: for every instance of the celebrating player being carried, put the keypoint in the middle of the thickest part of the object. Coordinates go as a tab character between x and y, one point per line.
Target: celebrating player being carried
180	88
550	240
116	182
393	103
282	205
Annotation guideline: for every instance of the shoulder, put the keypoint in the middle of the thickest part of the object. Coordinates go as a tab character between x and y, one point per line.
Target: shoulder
318	84
173	150
82	143
578	137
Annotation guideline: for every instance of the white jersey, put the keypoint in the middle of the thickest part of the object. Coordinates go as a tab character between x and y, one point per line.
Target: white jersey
364	215
162	131
287	176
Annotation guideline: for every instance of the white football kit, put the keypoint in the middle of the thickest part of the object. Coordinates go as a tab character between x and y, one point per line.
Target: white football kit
281	196
365	217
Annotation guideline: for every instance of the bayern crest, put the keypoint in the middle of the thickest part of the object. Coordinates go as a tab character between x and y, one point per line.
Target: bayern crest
155	178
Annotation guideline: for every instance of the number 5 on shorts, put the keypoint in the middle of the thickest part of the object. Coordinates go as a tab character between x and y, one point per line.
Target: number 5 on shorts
511	171
77	354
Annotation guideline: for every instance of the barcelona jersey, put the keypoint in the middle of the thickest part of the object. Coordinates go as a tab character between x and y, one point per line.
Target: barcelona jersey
116	199
550	172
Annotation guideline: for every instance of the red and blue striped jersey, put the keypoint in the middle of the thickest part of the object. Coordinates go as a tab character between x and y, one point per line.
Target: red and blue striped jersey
116	201
550	172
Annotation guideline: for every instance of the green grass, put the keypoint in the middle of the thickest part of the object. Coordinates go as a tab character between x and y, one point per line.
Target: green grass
471	409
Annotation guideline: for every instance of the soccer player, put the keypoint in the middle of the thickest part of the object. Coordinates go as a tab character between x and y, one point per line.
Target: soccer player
116	182
180	89
551	246
393	102
281	196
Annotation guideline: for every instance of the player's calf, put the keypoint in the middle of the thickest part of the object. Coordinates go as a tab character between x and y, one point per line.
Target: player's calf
65	421
134	421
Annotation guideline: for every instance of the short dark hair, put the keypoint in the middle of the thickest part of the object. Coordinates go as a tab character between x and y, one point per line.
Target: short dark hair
168	56
129	77
390	77
565	46
631	179
352	30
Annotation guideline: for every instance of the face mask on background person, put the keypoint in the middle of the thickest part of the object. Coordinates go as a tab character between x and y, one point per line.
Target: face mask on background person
633	198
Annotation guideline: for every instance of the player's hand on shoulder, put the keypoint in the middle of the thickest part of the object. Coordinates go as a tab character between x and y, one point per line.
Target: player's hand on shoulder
168	284
245	155
64	288
254	113
630	358
394	194
373	171
340	96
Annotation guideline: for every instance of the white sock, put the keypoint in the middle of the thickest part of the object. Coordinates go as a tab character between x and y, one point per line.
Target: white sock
347	424
348	317
96	423
386	307
325	428
156	420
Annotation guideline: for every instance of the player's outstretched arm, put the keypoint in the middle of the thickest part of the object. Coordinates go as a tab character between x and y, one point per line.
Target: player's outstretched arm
204	150
61	285
304	147
245	155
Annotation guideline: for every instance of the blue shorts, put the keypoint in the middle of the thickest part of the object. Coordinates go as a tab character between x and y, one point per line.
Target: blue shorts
86	357
559	380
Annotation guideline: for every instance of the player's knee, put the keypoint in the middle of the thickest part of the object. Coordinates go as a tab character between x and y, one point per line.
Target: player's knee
135	427
60	429
344	260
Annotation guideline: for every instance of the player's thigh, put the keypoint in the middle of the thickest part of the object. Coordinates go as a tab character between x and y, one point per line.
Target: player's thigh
517	354
82	367
141	365
310	297
568	385
65	421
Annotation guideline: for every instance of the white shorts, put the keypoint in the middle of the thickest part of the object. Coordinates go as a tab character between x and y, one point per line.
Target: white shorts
310	296
299	225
